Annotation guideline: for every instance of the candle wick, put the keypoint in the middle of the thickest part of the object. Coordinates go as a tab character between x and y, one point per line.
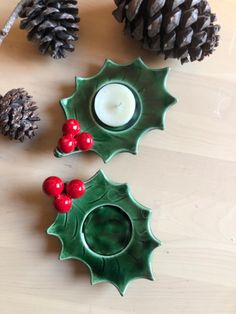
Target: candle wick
118	105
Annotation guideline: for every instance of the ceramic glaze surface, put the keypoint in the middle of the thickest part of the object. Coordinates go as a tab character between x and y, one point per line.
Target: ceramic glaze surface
107	230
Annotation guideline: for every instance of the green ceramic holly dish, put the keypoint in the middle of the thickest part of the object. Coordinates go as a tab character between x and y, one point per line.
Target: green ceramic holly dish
108	231
148	87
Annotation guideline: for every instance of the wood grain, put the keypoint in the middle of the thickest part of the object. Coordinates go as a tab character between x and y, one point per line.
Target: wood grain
186	174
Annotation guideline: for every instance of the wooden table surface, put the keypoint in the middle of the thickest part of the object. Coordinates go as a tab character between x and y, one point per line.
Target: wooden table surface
186	174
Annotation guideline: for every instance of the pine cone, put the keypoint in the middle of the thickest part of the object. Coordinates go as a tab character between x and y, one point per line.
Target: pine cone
53	23
182	29
17	115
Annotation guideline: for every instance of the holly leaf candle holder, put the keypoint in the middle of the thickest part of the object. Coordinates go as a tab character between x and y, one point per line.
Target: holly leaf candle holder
148	87
108	231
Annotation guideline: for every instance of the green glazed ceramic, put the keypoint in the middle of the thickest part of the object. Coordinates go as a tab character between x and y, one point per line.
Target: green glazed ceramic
108	231
152	100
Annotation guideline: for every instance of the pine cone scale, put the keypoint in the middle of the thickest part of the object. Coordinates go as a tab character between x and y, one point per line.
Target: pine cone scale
132	9
172	20
154	27
189	17
155	6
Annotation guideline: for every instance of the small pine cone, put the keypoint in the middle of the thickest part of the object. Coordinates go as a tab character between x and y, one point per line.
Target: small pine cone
53	23
17	115
182	29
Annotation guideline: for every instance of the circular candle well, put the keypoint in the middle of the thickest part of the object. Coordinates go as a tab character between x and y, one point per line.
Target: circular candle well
107	230
115	105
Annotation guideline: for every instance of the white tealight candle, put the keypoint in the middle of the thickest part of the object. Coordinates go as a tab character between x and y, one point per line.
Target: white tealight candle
115	105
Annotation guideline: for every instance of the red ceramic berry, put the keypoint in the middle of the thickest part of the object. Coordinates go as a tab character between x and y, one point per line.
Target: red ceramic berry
53	186
67	144
63	203
85	141
71	126
75	188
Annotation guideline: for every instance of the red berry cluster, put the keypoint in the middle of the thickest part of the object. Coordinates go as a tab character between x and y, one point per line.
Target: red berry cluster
72	138
63	193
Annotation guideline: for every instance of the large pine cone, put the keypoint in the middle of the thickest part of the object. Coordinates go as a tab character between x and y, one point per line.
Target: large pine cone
182	29
53	23
17	115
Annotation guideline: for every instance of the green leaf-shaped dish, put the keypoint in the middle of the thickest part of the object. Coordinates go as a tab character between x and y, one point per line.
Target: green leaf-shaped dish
108	231
152	100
